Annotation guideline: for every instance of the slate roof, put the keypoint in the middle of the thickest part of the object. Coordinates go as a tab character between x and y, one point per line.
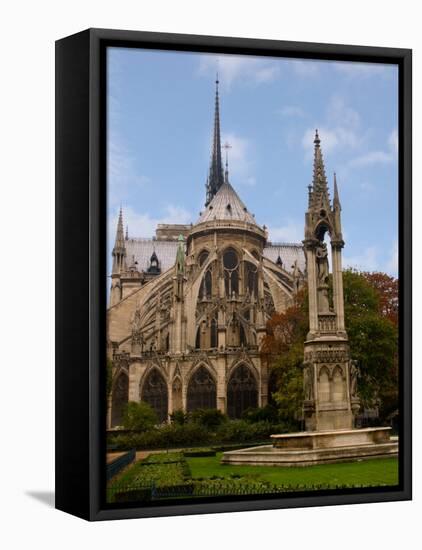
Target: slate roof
166	252
226	205
288	252
143	249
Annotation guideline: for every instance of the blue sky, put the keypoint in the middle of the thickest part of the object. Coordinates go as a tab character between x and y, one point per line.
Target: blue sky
160	118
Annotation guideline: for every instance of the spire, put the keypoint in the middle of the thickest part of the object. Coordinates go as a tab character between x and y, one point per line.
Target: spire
227	146
216	177
319	192
120	241
119	250
336	200
127	233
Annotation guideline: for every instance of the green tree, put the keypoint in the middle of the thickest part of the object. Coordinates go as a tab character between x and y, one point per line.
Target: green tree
139	416
373	337
283	345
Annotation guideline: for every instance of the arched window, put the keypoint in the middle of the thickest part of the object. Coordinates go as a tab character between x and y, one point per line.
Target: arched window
214	335
324	385
206	285
242	391
339	390
202	258
154	392
119	400
251	278
202	391
177	395
231	272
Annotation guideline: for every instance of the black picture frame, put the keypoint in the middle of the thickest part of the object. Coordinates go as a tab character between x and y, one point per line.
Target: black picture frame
81	264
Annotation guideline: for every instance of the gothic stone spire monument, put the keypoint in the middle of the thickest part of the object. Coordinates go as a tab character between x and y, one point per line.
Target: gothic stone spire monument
328	371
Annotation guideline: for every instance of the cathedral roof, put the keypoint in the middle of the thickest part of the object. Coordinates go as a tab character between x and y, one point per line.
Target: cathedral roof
226	205
288	254
143	249
166	251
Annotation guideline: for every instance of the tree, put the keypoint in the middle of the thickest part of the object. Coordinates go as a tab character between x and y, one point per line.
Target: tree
388	293
371	324
283	344
139	416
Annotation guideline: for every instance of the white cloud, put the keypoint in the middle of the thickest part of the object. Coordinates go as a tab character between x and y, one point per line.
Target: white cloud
379	157
393	141
240	159
121	172
304	68
353	69
367	261
339	113
143	224
339	129
292	232
232	68
373	157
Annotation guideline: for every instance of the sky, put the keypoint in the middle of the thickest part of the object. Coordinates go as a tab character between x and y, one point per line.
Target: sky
159	129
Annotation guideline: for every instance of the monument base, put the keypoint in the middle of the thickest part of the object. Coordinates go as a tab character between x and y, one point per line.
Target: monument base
323	447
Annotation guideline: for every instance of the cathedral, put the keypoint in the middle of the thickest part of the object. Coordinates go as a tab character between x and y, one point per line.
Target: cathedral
188	308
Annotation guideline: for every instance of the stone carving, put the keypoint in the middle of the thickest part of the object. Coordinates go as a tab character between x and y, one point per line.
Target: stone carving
326	356
321	254
137	339
322	263
297	275
308	383
354	375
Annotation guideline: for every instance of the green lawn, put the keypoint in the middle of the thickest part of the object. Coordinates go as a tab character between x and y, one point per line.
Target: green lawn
383	471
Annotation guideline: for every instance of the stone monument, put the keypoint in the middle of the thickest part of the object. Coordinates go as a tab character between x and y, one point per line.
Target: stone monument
330	375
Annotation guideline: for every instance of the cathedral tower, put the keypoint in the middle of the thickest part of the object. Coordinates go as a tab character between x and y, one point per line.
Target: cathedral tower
216	177
329	374
119	262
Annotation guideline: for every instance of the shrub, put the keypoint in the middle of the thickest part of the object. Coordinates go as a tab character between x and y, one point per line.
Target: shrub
179	417
269	413
209	418
139	416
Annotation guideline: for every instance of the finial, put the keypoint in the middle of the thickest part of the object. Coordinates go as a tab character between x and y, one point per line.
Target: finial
317	141
227	146
309	194
336	199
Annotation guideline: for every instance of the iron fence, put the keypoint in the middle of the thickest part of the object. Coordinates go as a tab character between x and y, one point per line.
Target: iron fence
117	465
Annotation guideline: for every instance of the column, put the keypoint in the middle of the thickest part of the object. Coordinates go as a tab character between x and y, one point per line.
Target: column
313	303
338	286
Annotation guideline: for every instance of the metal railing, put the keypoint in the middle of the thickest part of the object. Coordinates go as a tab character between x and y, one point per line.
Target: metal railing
117	465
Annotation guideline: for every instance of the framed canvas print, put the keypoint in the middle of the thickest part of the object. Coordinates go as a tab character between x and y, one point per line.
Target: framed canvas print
233	274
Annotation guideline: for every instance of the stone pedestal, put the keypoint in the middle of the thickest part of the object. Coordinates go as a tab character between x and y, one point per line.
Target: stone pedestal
322	447
328	403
